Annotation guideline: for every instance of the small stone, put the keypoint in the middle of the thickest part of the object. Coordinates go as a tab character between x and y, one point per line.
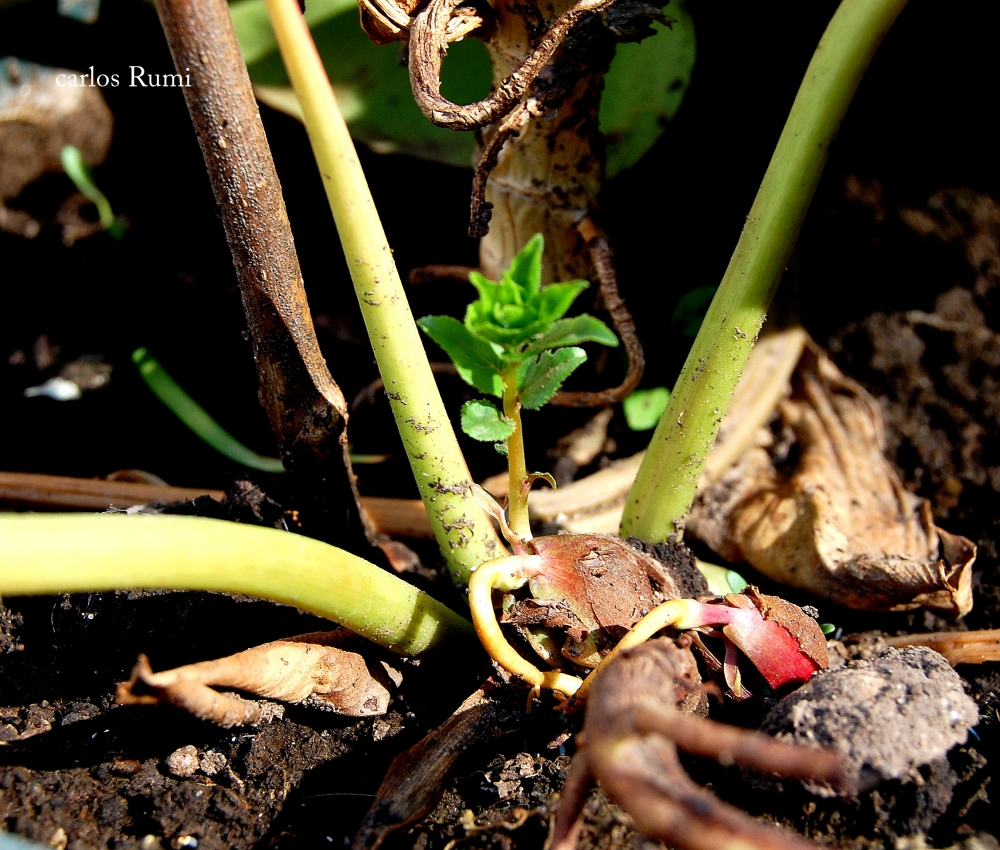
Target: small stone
185	842
150	842
7	733
58	839
212	762
886	717
184	761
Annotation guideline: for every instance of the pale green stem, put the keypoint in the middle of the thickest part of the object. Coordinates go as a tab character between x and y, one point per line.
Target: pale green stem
464	533
517	497
76	169
64	553
668	478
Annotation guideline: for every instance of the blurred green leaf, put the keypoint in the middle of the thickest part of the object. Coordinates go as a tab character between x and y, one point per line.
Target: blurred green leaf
691	309
539	379
644	408
482	421
372	79
644	88
253	28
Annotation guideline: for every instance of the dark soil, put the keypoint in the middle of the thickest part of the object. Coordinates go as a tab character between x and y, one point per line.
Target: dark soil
906	293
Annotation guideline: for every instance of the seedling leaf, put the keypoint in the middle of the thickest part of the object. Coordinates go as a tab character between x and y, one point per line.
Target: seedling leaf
482	421
526	268
477	360
574	331
538	379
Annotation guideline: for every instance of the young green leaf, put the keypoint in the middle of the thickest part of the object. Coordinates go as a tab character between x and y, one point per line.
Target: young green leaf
478	361
526	268
482	421
538	379
573	332
644	408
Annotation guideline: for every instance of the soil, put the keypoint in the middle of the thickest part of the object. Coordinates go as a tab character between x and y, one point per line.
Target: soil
903	289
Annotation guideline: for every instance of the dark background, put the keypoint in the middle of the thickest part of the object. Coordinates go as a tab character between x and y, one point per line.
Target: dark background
919	123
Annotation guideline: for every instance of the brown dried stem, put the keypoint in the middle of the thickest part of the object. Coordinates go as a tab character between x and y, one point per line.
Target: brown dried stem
621	318
306	409
973	647
428	46
480	211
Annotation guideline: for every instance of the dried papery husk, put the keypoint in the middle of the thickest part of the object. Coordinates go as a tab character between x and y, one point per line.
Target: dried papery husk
594	588
312	668
813	503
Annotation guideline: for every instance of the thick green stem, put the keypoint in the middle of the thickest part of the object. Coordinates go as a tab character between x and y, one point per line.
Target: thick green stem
517	497
463	531
62	553
668	478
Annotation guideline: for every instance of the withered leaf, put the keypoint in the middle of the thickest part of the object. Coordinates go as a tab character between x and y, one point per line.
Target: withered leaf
315	668
819	507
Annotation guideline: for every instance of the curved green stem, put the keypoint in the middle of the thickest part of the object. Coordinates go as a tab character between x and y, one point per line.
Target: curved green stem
679	613
509	574
668	478
77	171
60	553
192	414
463	532
517	470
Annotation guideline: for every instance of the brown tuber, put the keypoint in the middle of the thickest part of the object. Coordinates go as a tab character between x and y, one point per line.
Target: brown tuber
638	716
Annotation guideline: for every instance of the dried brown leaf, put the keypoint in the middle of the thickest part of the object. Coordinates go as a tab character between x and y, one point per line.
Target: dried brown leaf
820	508
313	668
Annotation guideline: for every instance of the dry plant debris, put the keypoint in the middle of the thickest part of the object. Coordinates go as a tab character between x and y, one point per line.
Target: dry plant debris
812	502
38	117
639	713
972	647
416	778
314	668
885	717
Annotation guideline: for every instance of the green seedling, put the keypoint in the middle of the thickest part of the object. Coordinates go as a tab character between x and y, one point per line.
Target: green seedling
644	408
516	345
39	554
192	414
77	171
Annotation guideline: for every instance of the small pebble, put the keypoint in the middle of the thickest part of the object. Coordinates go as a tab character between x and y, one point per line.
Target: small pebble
183	761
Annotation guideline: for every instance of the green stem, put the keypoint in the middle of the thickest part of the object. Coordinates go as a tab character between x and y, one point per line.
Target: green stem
63	553
463	532
77	171
517	497
668	478
192	414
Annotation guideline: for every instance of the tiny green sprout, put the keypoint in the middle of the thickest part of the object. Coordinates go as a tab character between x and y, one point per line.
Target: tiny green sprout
827	628
644	408
192	414
77	171
516	345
